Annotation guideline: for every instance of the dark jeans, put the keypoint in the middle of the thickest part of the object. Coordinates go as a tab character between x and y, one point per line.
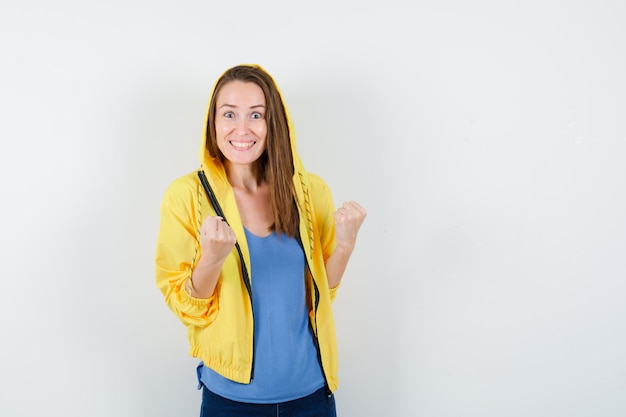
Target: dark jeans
318	404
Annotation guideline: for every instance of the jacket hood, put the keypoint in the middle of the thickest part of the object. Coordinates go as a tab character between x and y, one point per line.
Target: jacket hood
214	165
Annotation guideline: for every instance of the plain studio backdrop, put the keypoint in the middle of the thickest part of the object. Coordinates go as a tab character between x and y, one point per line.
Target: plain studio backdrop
487	140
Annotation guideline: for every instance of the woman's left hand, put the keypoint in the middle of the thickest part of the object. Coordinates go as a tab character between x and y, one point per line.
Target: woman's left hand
348	219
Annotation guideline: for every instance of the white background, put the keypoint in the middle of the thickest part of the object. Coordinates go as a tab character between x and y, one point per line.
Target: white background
487	140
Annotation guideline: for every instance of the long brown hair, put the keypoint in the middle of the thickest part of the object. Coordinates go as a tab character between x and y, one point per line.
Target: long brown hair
276	164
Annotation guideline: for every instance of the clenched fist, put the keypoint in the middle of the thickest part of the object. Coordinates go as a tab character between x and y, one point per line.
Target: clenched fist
217	240
348	219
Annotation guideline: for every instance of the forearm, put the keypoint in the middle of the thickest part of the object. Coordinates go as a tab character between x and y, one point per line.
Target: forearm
204	278
348	220
336	265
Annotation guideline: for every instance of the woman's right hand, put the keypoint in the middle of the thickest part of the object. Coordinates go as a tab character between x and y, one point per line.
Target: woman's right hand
217	240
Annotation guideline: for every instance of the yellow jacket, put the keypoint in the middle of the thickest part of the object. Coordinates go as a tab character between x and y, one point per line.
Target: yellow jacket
220	328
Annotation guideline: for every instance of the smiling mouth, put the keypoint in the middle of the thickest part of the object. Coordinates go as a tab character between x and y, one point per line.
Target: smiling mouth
242	146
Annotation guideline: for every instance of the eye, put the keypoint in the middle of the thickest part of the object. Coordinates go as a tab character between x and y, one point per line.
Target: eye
257	115
229	115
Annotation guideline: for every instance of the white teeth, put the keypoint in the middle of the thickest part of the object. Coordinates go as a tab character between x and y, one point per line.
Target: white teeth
239	145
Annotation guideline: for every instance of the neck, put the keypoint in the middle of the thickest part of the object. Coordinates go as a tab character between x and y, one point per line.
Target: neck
242	176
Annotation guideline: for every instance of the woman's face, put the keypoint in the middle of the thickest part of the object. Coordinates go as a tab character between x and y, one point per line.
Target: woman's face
240	124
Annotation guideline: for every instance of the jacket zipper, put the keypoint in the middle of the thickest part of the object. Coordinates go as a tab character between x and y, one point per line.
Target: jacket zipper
315	305
315	336
244	270
248	284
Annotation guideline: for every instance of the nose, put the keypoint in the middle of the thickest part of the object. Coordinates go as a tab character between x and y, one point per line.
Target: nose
242	126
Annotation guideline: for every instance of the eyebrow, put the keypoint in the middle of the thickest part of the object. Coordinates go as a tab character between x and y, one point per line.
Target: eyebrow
234	107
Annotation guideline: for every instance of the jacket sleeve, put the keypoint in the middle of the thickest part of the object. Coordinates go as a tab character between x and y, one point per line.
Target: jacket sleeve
177	253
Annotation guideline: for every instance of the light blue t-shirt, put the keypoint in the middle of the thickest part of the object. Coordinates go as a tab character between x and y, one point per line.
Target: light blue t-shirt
286	366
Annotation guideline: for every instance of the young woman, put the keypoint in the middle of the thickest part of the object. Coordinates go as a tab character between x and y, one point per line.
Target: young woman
249	256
